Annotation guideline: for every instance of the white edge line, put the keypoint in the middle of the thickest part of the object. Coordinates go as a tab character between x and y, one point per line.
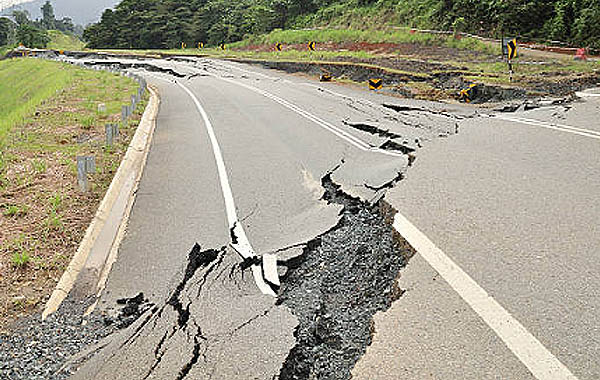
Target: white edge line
586	95
528	349
543	123
560	128
243	245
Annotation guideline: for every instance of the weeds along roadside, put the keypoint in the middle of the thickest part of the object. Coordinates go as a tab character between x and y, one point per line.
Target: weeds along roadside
43	215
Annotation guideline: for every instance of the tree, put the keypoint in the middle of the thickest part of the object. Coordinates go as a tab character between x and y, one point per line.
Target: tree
21	17
32	37
7	31
48	19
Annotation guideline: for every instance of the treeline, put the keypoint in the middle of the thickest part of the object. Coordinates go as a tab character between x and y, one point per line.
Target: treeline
576	22
167	23
33	33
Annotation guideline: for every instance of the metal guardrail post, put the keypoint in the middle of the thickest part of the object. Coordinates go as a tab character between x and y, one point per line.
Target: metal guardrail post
85	166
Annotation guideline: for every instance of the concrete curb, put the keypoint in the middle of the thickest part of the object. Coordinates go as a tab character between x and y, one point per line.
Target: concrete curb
104	234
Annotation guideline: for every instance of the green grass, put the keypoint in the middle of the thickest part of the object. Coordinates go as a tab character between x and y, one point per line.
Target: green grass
62	41
20	259
25	84
360	35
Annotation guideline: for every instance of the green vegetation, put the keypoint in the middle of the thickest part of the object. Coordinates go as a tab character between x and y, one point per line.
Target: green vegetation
38	33
164	24
371	36
43	214
62	41
24	84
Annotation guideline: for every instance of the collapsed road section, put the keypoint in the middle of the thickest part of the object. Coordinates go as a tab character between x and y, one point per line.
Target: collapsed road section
210	321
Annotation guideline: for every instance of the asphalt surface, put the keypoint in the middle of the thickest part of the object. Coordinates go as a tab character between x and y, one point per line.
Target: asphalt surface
514	204
277	147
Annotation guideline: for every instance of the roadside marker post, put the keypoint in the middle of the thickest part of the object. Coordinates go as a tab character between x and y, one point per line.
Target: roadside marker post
183	45
468	94
312	45
326	77
509	50
200	45
375	84
109	131
278	46
124	114
222	46
85	165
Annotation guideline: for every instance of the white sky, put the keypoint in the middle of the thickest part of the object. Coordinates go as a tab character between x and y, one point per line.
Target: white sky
9	3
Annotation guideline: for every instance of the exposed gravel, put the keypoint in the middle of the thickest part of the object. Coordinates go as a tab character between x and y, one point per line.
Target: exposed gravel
342	279
41	350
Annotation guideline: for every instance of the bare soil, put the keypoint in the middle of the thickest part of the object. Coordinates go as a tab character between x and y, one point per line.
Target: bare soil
43	214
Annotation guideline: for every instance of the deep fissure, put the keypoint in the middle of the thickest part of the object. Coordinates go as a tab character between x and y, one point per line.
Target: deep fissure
342	278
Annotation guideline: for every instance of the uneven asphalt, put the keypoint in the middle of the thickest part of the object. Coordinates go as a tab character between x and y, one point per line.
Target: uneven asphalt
317	172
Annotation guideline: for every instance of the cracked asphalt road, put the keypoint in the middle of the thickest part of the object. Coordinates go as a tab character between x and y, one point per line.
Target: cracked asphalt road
286	141
215	323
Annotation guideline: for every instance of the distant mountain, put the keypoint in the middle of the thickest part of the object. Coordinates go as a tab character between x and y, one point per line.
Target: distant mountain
82	12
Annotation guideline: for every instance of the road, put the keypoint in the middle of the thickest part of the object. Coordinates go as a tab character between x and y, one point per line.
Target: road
510	198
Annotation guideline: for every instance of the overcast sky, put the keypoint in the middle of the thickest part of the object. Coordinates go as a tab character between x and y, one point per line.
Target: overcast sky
8	3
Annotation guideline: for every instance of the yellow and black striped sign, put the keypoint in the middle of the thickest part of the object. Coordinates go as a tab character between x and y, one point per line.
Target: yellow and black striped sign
326	77
375	84
278	46
512	49
200	45
222	46
183	45
467	94
312	45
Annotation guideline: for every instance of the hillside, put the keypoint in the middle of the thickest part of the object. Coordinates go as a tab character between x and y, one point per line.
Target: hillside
81	12
167	23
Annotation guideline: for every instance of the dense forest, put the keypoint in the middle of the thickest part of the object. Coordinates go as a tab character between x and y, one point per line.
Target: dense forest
167	23
32	33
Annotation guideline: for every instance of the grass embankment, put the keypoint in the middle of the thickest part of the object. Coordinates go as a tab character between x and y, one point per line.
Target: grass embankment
392	36
62	41
43	215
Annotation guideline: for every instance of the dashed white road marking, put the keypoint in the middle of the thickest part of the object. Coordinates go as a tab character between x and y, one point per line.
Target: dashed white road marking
554	126
527	348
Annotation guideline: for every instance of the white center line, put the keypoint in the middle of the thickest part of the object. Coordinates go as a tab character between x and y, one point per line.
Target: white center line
348	137
527	348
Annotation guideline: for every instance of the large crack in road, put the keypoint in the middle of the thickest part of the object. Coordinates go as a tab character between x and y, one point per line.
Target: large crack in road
213	323
335	287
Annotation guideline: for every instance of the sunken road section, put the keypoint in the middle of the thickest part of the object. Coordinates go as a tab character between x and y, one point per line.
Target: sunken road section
335	287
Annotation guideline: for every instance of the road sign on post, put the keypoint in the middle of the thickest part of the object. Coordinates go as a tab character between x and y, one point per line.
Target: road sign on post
312	45
509	50
512	49
278	46
467	94
326	77
222	46
375	84
183	45
200	45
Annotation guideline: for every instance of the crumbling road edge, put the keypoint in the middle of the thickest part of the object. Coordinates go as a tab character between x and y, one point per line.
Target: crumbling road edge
133	164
